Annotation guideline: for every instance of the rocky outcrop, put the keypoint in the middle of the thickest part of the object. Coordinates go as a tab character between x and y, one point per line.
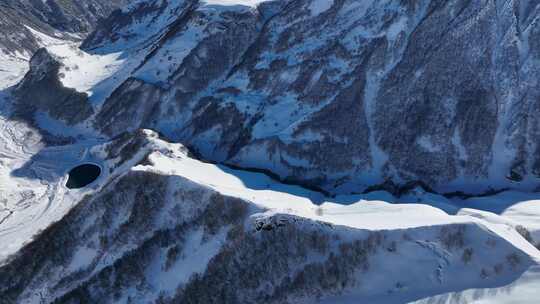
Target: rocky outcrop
42	90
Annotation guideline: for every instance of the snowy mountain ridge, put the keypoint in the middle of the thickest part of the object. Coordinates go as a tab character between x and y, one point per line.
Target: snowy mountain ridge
146	229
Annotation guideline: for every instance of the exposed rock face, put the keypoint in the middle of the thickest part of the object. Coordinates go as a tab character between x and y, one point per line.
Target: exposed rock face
41	89
52	17
347	94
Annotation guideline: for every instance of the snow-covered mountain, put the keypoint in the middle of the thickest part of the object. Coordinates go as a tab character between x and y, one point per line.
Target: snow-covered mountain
340	95
283	151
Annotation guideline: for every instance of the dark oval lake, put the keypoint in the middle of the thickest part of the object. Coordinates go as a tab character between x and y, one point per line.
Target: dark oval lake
83	175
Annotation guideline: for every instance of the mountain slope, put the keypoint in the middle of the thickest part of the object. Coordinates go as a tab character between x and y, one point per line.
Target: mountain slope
23	21
50	17
270	87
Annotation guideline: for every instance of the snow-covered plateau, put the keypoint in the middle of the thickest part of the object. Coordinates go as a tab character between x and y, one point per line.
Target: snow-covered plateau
278	151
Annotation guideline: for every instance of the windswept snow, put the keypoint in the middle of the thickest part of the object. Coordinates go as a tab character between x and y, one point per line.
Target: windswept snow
279	198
